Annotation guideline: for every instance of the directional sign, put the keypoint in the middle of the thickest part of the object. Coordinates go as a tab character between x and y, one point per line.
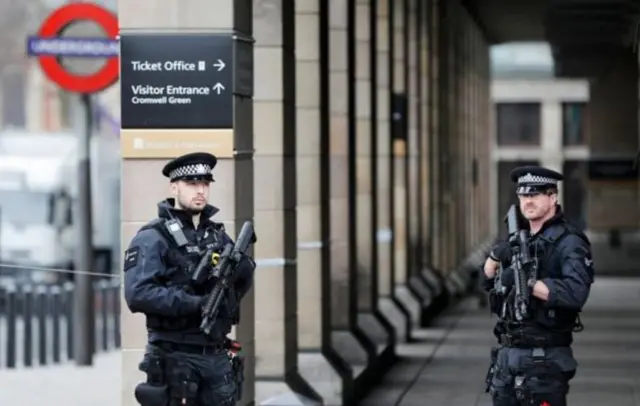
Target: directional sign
176	81
49	46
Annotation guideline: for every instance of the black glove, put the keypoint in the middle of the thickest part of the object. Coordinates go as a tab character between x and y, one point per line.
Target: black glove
507	277
501	252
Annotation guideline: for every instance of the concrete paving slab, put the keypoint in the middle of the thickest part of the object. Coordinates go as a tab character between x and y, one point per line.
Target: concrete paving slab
451	371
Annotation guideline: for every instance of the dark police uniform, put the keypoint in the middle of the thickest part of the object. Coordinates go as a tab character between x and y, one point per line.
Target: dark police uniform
182	363
534	362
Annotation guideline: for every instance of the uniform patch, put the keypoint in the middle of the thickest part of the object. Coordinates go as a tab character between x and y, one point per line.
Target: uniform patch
131	257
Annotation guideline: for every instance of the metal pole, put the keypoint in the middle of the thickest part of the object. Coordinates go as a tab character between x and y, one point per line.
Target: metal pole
83	309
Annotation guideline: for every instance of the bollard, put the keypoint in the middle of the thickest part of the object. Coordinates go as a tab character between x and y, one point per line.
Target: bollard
115	300
42	314
68	314
103	293
56	308
12	309
27	320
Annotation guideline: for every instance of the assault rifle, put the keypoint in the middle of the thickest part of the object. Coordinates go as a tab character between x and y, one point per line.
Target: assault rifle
225	265
524	267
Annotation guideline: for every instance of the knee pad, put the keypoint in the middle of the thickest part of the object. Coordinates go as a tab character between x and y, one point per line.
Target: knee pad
150	395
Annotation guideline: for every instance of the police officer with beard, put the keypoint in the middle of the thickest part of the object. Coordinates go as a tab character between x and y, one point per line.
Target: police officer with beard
534	362
183	365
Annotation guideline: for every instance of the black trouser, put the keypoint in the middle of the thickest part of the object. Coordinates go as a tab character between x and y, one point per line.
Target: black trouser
190	378
528	377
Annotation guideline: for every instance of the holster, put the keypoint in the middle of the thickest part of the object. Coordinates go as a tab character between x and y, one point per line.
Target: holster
237	363
492	369
495	302
155	391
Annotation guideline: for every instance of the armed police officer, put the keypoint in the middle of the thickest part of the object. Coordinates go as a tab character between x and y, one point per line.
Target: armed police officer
534	362
184	366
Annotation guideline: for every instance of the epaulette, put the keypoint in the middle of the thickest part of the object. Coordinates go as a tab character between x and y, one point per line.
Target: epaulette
559	231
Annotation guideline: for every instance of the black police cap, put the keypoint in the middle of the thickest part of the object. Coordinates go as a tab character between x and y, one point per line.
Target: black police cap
535	179
193	166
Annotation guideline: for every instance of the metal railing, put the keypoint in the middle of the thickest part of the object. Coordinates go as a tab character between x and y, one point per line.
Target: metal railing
37	323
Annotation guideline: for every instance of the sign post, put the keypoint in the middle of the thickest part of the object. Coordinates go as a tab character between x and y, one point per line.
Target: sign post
49	46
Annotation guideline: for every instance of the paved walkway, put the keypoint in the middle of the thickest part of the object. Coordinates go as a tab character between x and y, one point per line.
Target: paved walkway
65	384
448	365
445	368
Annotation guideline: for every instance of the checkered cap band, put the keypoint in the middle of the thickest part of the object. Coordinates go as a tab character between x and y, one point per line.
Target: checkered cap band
529	178
190	170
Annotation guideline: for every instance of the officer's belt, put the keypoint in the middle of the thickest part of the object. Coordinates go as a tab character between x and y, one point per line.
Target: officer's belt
519	341
191	348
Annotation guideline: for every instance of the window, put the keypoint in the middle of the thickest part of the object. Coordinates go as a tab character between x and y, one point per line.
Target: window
21	208
574	196
507	190
518	123
574	123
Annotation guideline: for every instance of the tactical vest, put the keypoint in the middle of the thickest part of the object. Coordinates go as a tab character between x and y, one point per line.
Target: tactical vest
180	263
555	323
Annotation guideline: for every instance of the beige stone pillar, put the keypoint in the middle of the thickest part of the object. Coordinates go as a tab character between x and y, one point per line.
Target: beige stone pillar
437	155
143	185
401	126
467	187
476	136
412	218
421	293
425	134
364	214
484	159
450	139
467	190
277	375
344	290
369	321
314	331
453	137
385	66
426	137
485	114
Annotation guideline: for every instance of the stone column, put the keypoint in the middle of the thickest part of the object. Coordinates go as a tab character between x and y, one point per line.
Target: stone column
143	184
343	276
466	203
370	321
424	179
401	115
314	295
426	145
436	155
275	207
416	282
453	135
468	140
412	218
385	65
476	135
484	113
